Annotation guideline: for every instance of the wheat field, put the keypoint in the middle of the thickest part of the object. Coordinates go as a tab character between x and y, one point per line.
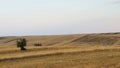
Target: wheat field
68	51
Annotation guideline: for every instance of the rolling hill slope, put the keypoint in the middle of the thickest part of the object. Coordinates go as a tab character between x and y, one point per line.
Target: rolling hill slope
62	51
79	39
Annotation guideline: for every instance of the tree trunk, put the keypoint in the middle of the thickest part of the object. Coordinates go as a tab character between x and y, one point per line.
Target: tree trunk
22	48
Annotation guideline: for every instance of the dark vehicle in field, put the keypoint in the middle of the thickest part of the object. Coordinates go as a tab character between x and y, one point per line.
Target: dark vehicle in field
37	44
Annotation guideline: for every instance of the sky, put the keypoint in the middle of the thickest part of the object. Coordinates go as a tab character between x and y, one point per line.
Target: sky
56	17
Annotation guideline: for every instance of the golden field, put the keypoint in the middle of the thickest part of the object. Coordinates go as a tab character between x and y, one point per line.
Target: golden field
64	51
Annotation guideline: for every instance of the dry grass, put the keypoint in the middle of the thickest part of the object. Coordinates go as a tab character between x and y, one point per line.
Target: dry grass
66	51
82	39
61	57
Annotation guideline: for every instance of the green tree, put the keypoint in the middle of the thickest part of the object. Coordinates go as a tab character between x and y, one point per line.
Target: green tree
22	43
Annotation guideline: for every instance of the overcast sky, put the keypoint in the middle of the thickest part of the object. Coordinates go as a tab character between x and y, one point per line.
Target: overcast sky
53	17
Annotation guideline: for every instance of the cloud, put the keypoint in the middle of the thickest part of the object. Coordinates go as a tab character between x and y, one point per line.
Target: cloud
115	2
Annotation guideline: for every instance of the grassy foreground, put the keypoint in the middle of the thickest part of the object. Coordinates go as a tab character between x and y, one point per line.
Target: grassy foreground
60	57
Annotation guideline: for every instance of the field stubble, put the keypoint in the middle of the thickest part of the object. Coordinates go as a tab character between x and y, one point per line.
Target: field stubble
61	57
